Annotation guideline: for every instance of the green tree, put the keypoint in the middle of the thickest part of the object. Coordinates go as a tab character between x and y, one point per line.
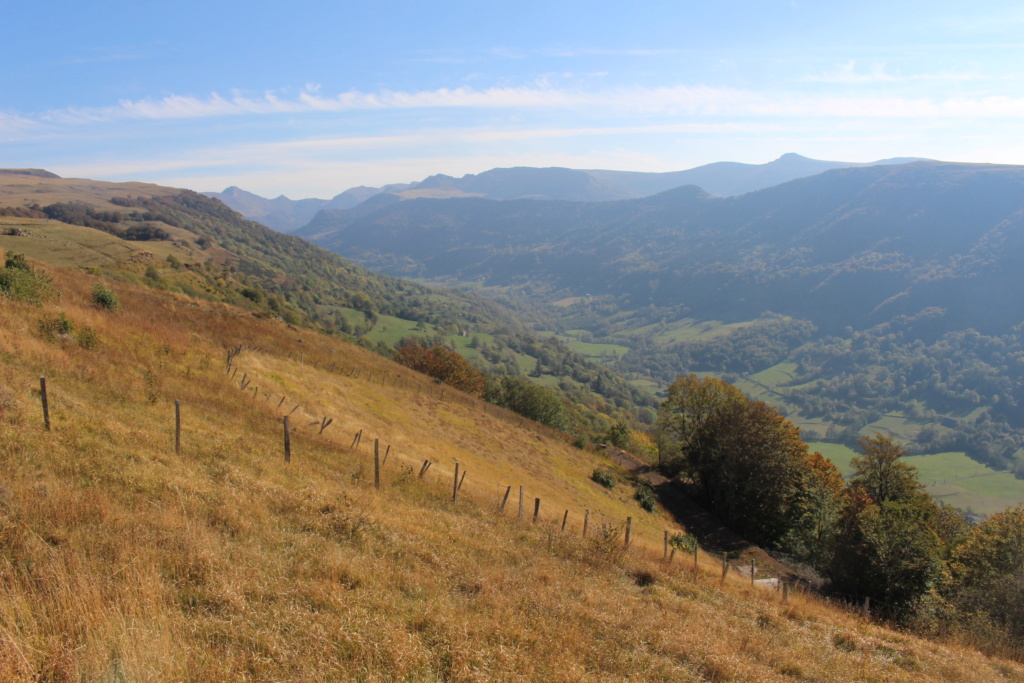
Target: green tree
685	415
987	586
879	473
529	400
890	541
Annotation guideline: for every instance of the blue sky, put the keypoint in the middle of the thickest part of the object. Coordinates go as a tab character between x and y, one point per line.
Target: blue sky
311	98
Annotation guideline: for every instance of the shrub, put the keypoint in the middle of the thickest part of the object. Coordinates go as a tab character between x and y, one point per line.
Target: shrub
104	297
683	541
57	326
604	478
645	496
61	328
19	281
87	338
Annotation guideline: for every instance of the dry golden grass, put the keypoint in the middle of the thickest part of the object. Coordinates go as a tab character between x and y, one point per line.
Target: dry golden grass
120	560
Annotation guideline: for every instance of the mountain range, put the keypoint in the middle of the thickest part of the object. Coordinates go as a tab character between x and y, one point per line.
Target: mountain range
862	292
722	179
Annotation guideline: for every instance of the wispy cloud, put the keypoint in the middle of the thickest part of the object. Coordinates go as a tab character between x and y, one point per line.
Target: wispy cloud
703	101
14	127
877	72
611	52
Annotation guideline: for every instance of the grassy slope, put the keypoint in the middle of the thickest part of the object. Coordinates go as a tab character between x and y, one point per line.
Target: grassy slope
300	281
123	561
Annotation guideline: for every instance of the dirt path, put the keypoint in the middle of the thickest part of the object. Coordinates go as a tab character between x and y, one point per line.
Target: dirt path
708	529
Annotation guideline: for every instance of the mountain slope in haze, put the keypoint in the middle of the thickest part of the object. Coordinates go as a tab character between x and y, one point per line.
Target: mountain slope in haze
883	240
281	214
890	294
721	179
730	178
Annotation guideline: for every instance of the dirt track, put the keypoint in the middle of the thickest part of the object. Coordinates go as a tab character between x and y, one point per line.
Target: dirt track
708	529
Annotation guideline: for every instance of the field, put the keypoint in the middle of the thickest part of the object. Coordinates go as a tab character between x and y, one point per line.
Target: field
950	477
125	560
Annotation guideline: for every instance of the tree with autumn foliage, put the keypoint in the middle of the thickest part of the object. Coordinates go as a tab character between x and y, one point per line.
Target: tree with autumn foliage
442	364
747	463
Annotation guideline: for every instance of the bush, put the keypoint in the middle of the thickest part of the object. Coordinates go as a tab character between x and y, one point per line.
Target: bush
105	298
645	496
683	541
87	338
61	328
57	326
19	281
604	478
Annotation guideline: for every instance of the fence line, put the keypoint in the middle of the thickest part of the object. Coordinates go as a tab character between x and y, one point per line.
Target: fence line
430	388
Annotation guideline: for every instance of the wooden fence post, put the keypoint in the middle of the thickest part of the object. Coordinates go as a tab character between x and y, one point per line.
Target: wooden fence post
462	478
376	464
751	571
696	550
629	530
865	609
520	502
666	547
287	441
280	403
455	485
536	509
423	470
177	427
565	518
671	556
46	403
785	592
387	452
725	565
505	499
586	522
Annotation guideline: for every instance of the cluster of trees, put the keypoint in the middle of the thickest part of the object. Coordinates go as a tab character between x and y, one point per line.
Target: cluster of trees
22	211
78	213
444	365
515	393
878	535
747	463
746	350
530	400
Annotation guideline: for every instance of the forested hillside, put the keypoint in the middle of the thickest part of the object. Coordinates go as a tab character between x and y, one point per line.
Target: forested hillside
885	290
185	242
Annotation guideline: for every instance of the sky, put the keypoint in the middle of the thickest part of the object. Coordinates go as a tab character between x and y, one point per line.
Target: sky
308	99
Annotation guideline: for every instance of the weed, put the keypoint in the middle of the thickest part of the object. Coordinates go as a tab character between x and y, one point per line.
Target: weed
6	399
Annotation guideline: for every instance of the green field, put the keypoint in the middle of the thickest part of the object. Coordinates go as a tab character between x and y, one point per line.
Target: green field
952	478
72	246
777	375
944	468
839	454
594	351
